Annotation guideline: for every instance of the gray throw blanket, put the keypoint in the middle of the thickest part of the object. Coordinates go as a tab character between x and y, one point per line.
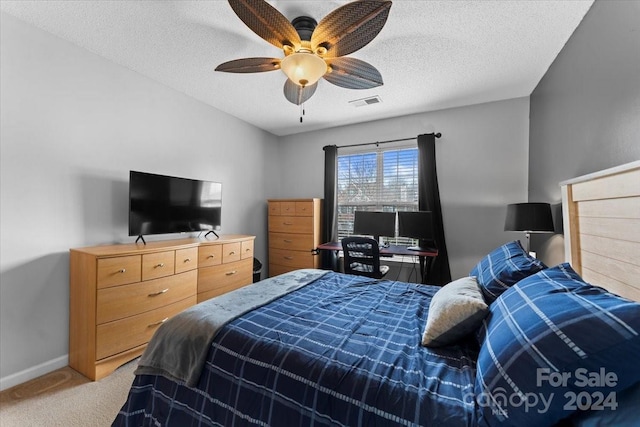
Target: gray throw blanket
179	348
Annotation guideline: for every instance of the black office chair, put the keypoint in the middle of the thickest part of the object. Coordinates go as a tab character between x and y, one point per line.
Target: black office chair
362	257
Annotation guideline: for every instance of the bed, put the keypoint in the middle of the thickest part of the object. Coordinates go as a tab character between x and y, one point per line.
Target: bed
514	343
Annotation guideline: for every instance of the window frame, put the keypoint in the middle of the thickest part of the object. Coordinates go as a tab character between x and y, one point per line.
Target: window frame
379	203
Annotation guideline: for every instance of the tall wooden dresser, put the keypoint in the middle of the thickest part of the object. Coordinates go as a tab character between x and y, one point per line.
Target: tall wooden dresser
294	234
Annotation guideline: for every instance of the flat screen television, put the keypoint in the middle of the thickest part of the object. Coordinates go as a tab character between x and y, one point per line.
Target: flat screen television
160	204
374	224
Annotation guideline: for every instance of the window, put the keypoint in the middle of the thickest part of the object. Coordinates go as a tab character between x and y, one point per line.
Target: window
380	180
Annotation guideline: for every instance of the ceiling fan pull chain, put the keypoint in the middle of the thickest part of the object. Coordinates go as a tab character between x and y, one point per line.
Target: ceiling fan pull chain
302	112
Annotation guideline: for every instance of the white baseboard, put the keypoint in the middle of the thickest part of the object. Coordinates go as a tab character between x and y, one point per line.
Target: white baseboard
33	372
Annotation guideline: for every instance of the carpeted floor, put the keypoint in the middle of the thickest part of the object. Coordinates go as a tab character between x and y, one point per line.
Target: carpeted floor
65	398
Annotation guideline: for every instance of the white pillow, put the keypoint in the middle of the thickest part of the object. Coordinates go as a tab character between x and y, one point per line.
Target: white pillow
457	309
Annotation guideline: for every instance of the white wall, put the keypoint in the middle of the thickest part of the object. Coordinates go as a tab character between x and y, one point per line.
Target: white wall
481	160
72	126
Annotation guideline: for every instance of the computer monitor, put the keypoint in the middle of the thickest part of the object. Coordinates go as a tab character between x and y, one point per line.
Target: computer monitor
417	225
374	224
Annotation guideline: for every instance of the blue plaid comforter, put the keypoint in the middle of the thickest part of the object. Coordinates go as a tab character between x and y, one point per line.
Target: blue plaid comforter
344	350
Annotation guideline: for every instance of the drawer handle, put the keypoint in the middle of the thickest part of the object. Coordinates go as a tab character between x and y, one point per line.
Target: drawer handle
288	241
210	256
288	257
158	293
122	270
231	273
247	250
187	260
232	253
151	325
287	223
160	265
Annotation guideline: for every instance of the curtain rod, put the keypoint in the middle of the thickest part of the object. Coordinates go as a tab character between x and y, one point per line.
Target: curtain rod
437	135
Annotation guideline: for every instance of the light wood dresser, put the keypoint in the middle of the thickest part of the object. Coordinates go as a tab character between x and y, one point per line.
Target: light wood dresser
120	294
294	234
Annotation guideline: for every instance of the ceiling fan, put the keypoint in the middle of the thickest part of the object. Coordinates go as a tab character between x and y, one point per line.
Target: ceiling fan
313	50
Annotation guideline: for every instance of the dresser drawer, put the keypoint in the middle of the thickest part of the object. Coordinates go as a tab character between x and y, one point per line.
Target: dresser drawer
225	277
118	271
127	300
295	259
209	255
246	249
274	208
291	241
186	259
120	335
287	208
231	252
304	208
158	264
203	296
290	224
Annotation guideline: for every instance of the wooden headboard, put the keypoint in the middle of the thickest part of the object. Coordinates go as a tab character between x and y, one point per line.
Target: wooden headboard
601	213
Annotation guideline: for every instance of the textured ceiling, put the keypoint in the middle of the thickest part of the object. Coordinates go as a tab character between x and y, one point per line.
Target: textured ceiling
431	54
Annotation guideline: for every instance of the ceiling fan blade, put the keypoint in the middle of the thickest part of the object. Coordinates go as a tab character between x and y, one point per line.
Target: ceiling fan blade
353	73
250	65
267	22
350	27
298	94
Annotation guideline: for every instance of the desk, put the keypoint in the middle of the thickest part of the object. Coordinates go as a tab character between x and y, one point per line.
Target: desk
426	257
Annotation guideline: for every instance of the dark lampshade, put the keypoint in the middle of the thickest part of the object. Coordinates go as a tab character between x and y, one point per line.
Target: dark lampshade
529	217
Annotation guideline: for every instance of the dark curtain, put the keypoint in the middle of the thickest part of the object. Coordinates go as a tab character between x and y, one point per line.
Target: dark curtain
429	200
329	221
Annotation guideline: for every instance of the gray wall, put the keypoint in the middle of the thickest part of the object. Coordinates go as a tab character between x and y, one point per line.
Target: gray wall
482	166
585	112
73	125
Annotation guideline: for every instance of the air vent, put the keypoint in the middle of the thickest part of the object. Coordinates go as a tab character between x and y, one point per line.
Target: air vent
366	101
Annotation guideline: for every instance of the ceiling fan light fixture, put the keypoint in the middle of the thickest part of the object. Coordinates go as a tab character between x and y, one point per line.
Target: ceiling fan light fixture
313	50
303	68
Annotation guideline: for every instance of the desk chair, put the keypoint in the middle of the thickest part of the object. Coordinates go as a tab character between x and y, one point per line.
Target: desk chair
362	257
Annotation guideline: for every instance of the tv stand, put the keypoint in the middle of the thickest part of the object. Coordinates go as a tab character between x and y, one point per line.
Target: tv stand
141	238
211	231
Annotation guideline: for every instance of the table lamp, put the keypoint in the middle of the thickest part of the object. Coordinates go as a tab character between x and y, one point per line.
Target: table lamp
529	218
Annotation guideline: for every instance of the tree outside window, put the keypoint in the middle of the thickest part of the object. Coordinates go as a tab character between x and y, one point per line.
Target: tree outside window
380	180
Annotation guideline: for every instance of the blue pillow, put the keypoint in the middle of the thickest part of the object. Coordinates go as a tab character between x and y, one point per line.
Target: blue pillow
555	344
624	415
504	267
